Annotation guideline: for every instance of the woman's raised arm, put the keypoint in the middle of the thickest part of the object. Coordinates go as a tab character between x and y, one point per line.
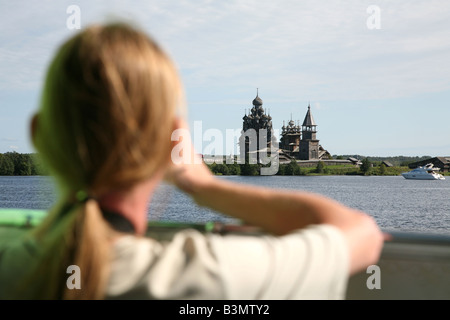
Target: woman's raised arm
281	211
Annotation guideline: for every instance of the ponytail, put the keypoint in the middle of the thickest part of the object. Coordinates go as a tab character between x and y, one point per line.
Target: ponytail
92	254
79	237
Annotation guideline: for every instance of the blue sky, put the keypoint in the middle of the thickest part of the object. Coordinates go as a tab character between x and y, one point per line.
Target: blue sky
373	91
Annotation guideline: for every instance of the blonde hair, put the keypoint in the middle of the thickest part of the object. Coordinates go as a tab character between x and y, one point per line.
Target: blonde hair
105	123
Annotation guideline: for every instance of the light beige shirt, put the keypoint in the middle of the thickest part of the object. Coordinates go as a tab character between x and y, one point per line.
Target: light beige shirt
312	263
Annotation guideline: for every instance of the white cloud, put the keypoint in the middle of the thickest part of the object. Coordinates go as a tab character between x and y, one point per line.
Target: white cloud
319	46
294	50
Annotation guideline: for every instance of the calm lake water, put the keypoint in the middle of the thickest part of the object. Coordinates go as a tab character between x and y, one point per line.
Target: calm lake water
396	204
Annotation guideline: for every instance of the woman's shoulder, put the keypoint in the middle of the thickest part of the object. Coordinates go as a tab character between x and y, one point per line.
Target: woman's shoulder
16	257
148	268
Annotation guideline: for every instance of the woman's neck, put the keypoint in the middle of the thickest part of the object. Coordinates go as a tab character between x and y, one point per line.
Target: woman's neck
131	204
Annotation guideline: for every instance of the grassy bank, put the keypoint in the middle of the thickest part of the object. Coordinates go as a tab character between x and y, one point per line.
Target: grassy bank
293	169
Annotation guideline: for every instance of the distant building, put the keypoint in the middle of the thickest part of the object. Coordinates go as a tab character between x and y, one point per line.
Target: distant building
387	164
443	163
302	143
354	161
261	123
290	139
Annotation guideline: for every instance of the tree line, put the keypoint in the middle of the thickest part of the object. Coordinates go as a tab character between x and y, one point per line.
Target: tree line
28	164
367	167
21	164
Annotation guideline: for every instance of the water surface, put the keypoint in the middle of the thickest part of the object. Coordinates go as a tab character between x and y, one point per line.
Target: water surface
396	203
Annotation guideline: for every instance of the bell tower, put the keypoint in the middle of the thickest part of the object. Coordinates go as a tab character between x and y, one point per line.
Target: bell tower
309	145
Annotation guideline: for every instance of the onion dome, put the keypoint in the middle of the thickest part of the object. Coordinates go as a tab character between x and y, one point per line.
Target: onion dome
257	101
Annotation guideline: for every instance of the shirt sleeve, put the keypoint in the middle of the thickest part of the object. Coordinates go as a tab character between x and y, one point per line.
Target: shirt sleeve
312	263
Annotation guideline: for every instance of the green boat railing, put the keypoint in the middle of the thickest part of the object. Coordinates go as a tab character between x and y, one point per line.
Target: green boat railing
411	265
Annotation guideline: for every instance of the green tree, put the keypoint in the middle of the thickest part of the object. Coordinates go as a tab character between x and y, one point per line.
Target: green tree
289	169
297	170
294	168
382	169
281	169
365	166
22	163
320	167
6	165
249	169
222	169
234	169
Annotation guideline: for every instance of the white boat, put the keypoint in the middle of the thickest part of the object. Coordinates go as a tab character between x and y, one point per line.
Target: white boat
427	172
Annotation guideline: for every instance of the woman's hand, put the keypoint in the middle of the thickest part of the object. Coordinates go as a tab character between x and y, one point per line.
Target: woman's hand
187	170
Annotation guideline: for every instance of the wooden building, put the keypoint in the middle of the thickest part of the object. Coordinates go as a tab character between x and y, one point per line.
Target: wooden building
290	139
301	143
387	164
443	163
257	131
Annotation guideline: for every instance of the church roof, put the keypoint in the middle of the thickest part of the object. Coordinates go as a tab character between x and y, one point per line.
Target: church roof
309	120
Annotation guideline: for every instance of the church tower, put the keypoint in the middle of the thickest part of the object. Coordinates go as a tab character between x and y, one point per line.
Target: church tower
309	145
257	119
290	139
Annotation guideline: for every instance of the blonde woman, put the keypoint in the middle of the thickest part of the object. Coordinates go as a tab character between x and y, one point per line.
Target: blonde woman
109	107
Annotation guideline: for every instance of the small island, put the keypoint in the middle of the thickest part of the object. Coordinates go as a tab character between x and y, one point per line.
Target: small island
356	165
299	152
